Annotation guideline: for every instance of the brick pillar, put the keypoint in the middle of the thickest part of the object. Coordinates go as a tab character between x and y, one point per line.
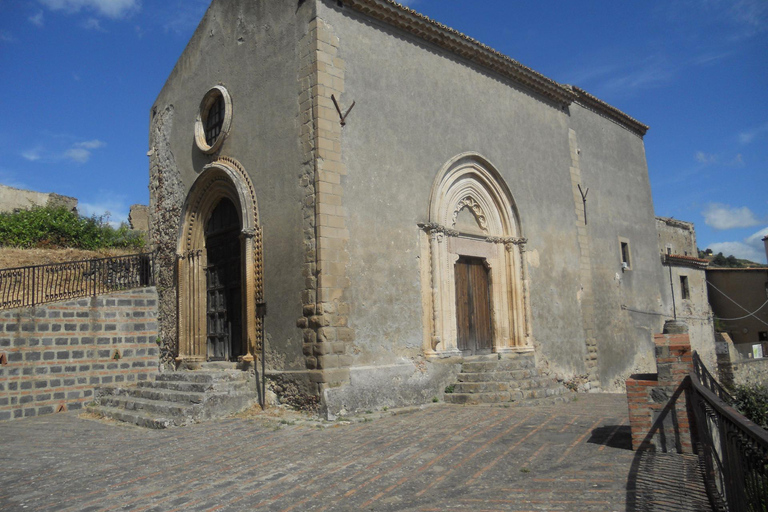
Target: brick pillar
658	403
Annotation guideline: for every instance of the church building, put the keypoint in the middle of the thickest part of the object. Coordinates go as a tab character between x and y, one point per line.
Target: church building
404	200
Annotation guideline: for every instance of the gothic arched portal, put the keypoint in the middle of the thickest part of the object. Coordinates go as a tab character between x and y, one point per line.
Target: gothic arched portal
222	194
475	297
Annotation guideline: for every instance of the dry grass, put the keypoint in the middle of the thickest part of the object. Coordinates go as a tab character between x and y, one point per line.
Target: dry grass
11	257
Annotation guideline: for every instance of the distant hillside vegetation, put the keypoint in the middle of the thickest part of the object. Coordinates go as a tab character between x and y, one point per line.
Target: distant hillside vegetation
720	261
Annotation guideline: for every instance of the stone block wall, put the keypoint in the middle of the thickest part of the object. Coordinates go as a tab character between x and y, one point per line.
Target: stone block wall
735	370
53	356
659	403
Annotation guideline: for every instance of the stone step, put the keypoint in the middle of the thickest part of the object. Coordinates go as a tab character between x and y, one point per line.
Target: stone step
498	376
518	363
164	395
483	387
134	417
177	398
156	408
482	398
200	376
195	387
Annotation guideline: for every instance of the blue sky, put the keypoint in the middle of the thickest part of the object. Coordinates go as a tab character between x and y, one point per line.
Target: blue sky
79	77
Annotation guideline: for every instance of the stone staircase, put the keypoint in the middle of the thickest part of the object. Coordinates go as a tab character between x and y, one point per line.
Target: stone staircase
177	398
489	380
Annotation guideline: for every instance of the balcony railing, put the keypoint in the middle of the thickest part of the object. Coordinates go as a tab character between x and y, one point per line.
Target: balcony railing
30	286
733	449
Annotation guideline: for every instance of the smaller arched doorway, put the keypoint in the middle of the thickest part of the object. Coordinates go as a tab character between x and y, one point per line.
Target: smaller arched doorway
219	270
222	281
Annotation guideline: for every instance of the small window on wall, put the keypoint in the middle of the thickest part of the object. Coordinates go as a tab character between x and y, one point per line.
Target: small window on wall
684	290
626	257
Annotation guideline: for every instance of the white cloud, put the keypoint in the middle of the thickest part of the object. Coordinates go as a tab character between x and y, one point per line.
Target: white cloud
738	161
740	250
78	155
748	136
114	209
79	152
91	144
704	158
93	24
751	248
722	216
7	37
110	8
37	19
33	155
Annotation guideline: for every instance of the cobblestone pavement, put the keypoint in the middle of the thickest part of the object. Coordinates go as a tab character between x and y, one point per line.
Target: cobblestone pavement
569	457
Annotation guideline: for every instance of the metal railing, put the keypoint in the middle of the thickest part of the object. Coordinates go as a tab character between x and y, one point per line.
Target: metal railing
706	379
733	449
30	286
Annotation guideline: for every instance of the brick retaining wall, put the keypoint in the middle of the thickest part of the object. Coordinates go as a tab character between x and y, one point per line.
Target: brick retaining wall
658	402
53	356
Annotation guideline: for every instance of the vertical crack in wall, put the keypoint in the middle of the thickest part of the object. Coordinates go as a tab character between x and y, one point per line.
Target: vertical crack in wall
166	193
585	267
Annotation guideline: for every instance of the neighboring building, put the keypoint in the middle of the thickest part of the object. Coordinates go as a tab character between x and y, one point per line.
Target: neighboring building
12	199
739	299
438	220
686	285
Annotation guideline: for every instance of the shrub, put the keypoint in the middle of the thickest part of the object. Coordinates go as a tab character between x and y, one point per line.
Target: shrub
58	227
752	402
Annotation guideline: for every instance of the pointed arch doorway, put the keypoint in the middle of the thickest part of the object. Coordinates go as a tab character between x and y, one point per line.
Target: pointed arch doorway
474	285
219	267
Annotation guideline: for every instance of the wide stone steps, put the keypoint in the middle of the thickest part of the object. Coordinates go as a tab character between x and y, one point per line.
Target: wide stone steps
177	398
512	379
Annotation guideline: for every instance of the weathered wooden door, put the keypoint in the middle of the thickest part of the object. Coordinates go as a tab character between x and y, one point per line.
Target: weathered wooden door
473	307
224	304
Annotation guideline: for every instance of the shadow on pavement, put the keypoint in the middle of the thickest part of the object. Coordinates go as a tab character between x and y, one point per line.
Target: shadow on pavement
612	436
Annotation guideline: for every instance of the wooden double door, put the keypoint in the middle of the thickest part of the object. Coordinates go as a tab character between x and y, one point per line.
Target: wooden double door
224	302
473	307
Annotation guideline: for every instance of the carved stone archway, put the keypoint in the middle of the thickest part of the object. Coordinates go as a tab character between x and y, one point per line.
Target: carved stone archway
472	214
223	179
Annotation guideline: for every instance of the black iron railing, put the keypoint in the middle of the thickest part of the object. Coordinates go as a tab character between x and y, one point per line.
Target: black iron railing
29	286
733	449
707	380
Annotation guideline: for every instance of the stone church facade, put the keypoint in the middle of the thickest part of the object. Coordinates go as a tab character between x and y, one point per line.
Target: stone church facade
403	198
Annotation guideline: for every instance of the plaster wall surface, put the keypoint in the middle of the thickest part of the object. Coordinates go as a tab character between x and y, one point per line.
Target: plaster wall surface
418	106
251	48
627	302
676	237
748	291
679	238
18	199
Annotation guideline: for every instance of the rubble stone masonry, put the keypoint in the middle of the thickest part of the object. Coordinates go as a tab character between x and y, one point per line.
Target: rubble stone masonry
53	356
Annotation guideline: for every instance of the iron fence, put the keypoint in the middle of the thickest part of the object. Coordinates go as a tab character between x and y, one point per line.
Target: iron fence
30	286
706	379
733	449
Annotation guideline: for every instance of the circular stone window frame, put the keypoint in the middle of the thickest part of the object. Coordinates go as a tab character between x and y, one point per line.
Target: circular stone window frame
208	101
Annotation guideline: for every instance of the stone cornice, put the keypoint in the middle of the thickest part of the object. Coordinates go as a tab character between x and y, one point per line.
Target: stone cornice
407	19
600	107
